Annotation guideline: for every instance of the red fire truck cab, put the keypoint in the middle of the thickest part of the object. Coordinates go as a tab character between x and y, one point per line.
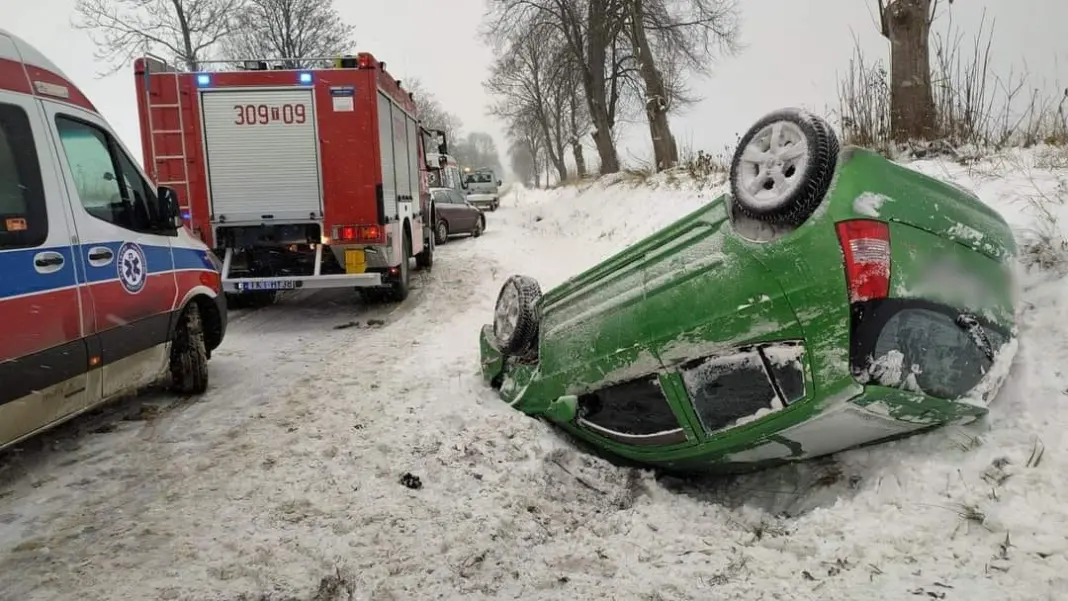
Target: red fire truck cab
297	178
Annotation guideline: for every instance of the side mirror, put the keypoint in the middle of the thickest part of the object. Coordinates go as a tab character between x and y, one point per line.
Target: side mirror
563	410
171	213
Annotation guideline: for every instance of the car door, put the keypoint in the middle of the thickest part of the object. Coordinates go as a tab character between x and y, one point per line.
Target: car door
44	357
127	258
466	215
447	209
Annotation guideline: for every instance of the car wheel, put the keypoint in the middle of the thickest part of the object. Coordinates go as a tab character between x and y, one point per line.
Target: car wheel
425	259
189	354
480	225
496	203
515	317
441	232
400	287
783	167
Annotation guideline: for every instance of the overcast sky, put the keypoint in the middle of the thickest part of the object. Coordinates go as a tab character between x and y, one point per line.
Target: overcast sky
794	50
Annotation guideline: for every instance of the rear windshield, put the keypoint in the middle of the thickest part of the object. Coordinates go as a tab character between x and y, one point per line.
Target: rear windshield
928	349
479	178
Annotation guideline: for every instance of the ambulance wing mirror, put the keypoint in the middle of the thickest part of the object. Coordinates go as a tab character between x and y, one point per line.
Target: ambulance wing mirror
170	212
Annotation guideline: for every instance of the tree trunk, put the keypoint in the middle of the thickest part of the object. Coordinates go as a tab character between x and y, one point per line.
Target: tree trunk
580	159
656	97
593	81
576	144
906	23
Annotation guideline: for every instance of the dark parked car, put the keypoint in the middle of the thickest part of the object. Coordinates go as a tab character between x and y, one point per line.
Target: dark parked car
454	215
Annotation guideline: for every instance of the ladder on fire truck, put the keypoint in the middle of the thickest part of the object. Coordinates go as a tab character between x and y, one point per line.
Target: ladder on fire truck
166	119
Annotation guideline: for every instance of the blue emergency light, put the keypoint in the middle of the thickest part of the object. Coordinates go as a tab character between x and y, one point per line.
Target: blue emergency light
305	78
203	79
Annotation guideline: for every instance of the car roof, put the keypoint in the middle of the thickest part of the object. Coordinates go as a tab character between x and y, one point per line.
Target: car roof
38	76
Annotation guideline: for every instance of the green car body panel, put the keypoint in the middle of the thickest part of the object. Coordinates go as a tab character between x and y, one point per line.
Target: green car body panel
699	288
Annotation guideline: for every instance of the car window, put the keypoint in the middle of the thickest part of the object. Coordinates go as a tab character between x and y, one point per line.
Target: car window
457	198
109	187
926	350
440	196
784	360
23	211
726	389
632	412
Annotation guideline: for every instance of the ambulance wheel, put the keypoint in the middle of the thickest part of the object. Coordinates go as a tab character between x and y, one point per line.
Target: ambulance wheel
425	259
399	288
189	353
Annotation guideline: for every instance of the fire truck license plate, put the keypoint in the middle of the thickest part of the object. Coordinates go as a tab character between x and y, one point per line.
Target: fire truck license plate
269	285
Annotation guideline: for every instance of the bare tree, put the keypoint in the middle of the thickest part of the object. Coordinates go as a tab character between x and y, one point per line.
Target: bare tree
907	25
431	113
294	30
184	30
525	136
523	163
529	78
478	150
588	31
674	38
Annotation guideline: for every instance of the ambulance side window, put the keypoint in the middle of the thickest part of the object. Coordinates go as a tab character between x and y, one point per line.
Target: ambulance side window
109	186
23	211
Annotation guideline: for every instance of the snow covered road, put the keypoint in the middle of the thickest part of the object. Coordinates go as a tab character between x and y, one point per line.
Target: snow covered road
285	481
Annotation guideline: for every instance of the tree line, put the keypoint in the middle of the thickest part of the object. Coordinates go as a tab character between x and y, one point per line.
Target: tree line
293	33
568	71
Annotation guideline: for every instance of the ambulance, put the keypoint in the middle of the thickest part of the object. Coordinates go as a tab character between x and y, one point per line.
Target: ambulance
298	178
103	291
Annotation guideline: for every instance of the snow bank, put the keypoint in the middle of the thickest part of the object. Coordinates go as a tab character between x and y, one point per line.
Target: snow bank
286	482
978	511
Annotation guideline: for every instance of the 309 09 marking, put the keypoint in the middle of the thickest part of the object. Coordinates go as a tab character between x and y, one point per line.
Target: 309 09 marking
264	114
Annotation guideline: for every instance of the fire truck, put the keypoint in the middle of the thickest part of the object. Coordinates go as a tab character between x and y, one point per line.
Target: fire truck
297	178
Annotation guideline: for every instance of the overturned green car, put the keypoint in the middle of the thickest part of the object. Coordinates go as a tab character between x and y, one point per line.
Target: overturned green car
832	299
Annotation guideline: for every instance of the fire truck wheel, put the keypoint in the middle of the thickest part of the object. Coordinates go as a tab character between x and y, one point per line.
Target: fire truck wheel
189	354
441	232
399	288
425	259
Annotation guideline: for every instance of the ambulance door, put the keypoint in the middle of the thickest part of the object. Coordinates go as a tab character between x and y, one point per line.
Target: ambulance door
44	356
124	247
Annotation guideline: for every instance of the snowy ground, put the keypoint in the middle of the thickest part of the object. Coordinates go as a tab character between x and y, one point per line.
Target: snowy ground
284	481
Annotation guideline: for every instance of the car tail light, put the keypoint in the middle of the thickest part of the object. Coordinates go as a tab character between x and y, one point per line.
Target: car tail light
866	247
358	233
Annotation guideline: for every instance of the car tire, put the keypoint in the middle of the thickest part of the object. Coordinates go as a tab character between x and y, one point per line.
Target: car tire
189	353
783	167
441	232
425	259
496	203
480	226
515	315
401	286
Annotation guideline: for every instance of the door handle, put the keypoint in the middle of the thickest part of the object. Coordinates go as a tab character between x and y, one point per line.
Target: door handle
48	262
100	254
